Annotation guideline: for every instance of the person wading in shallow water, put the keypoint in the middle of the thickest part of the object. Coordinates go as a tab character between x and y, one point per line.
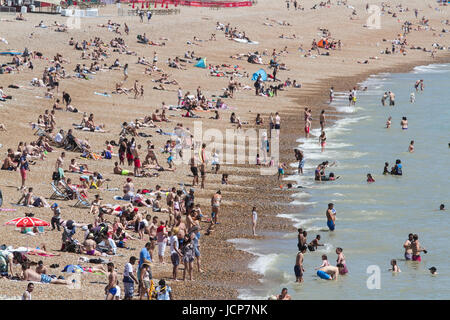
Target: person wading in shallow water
331	217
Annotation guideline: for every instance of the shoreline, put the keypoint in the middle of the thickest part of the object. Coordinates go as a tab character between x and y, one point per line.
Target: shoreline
226	268
319	100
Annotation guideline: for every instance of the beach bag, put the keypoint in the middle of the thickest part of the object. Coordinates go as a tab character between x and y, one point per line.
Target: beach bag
56	176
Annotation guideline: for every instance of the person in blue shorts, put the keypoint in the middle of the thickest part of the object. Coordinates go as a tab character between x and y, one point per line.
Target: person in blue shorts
331	217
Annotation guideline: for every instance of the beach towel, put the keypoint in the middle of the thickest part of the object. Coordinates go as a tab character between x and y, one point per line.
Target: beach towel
245	41
11	53
103	94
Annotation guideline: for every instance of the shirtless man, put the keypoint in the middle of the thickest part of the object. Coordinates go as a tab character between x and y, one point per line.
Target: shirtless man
118	170
31	275
322	120
416	249
112	289
301	239
331	217
215	204
41	269
59	164
330	272
391	98
298	268
78	168
312	246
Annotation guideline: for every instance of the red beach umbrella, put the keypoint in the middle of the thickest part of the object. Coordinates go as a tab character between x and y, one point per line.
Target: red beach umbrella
26	222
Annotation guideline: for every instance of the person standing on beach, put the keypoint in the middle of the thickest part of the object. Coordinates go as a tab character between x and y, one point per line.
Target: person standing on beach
298	268
331	217
277	123
203	165
331	94
23	168
194	171
322	120
129	278
281	167
301	160
254	220
125	72
215	204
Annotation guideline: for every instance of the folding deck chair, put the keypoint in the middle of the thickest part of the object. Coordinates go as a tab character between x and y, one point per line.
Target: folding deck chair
58	194
81	202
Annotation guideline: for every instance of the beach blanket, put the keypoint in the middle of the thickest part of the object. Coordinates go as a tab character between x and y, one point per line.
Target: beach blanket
245	41
41	254
11	53
103	94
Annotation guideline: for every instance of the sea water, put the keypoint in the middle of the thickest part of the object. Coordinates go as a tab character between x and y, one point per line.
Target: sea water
373	220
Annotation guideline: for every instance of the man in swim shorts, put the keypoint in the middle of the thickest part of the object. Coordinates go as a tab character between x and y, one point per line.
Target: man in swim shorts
331	217
298	268
408	247
31	275
329	272
119	170
112	290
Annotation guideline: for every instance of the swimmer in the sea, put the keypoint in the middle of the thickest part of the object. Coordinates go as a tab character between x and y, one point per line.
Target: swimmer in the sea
386	168
404	123
388	122
395	267
330	272
411	146
433	270
442	207
312	246
370	178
